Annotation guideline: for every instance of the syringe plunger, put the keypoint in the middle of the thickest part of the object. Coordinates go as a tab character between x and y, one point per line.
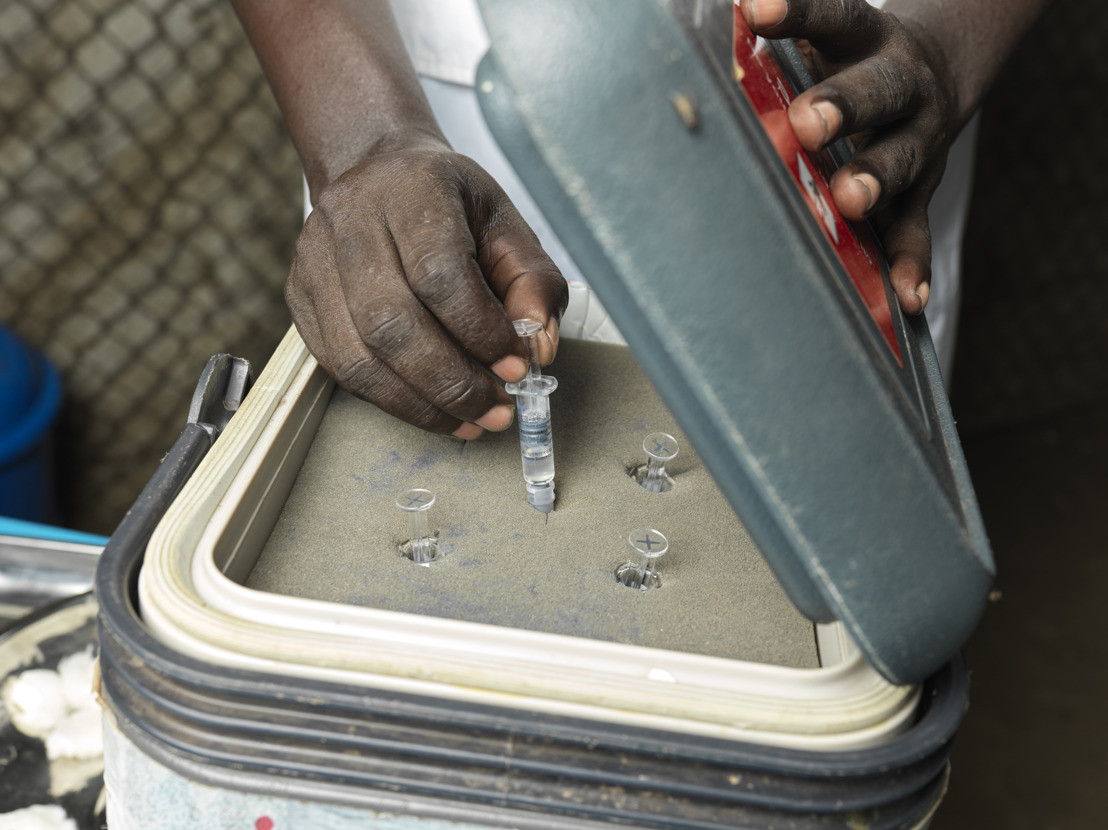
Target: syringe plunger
527	329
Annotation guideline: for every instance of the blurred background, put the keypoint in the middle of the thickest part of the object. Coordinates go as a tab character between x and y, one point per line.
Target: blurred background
149	201
1030	393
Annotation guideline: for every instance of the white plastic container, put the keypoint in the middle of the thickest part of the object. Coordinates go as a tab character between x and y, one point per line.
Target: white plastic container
815	405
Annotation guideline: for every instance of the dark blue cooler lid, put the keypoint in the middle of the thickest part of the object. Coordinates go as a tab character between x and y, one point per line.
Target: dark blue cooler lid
816	405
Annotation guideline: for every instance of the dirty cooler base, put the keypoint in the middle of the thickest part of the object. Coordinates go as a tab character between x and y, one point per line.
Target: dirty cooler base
192	740
187	741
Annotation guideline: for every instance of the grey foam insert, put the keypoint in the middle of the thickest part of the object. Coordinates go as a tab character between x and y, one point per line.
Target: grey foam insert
338	537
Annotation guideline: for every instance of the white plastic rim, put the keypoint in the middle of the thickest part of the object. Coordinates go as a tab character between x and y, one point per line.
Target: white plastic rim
224	515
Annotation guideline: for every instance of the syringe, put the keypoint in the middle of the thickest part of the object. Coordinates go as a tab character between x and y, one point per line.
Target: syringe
536	444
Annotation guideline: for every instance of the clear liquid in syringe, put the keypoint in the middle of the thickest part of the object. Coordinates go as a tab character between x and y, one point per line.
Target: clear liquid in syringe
536	446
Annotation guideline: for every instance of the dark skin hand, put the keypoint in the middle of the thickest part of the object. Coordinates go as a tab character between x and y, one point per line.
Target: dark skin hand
903	81
413	263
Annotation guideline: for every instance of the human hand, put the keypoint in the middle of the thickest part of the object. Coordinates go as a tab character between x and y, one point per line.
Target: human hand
406	280
887	84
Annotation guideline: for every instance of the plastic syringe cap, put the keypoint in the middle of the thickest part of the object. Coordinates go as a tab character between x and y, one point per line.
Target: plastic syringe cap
541	496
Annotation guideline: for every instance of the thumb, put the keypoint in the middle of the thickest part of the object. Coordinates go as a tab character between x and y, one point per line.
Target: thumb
526	280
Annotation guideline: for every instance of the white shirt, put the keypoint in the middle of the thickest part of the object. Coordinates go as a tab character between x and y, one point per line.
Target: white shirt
446	39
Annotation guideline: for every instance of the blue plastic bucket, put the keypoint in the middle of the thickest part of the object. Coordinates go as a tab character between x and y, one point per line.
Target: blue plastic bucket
30	397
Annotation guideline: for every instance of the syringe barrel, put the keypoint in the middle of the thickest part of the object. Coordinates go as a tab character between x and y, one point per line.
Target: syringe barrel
536	442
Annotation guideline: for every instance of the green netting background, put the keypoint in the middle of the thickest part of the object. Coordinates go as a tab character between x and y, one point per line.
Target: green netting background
149	201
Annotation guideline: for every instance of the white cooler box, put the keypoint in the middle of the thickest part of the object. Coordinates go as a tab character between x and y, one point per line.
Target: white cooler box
271	660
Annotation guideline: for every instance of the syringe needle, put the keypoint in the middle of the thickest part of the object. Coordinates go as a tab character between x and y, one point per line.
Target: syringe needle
536	443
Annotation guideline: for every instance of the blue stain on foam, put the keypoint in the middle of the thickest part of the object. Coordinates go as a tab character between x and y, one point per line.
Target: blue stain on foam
470	563
426	459
570	621
381	477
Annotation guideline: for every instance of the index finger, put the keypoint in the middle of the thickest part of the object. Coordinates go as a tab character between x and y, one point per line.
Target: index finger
477	267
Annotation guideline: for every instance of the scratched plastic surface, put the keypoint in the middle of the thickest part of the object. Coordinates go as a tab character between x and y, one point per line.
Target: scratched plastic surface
505	564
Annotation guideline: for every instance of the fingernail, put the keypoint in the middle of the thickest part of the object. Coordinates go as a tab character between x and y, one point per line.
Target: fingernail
923	291
552	334
467	432
497	419
872	188
830	116
510	368
766	13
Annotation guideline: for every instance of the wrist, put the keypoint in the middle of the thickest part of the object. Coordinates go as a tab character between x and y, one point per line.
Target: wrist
324	163
970	41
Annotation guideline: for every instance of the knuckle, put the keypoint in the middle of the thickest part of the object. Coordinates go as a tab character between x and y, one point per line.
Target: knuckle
330	199
561	293
329	210
296	297
461	395
843	28
891	84
370	378
436	277
305	246
352	251
299	292
310	251
385	328
906	162
364	375
851	14
426	416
